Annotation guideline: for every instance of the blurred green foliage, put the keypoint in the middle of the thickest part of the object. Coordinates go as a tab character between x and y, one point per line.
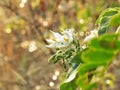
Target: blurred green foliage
95	62
88	67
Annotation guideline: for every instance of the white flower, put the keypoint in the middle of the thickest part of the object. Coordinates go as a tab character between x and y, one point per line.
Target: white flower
93	34
61	40
83	47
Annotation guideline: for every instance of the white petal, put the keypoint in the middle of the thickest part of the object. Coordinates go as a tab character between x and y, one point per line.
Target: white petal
50	41
60	45
95	32
83	47
88	38
68	31
68	34
61	40
57	36
51	46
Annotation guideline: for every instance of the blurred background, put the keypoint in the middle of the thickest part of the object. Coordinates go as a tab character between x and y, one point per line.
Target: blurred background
24	26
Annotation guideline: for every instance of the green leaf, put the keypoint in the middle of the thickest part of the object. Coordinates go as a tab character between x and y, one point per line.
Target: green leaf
104	21
71	76
115	20
52	59
102	30
69	83
82	78
91	86
110	42
106	42
77	59
97	56
109	17
88	67
108	12
72	72
56	57
68	86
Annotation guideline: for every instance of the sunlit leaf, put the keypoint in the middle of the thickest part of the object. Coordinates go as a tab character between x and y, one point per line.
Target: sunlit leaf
107	43
97	56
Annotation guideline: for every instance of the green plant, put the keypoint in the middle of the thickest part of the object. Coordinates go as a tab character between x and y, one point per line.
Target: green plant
88	63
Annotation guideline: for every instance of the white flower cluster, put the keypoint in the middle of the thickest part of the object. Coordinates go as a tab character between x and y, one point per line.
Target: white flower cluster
61	40
66	37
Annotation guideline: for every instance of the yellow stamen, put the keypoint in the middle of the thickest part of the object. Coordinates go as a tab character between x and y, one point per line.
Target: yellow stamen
66	39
